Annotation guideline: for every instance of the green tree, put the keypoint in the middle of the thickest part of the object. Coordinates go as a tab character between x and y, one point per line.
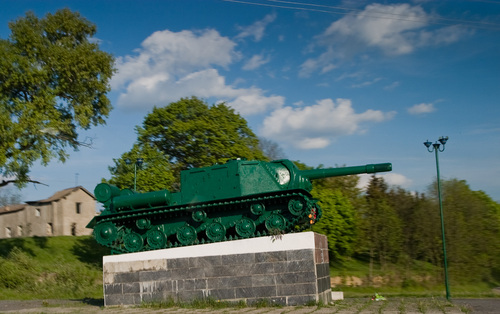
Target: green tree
338	196
53	82
337	223
154	174
472	232
193	134
182	135
347	185
381	231
423	231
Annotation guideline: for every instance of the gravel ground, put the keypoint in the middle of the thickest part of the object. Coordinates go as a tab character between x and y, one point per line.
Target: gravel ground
349	305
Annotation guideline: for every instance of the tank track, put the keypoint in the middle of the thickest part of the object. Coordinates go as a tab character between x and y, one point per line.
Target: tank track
183	225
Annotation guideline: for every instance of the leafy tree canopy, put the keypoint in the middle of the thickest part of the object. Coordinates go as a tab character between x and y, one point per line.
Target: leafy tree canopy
193	134
182	135
337	223
154	174
53	81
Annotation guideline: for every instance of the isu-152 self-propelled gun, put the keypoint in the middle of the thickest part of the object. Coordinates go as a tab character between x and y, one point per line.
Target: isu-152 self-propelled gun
236	200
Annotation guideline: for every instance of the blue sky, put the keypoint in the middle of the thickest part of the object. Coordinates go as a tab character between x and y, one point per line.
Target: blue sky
332	82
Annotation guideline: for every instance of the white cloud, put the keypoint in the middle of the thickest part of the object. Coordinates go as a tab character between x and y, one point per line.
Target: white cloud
366	83
251	101
391	178
177	53
381	26
397	179
318	125
395	29
392	86
171	65
421	108
255	62
256	30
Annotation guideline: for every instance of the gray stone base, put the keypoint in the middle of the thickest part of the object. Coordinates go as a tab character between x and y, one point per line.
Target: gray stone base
292	270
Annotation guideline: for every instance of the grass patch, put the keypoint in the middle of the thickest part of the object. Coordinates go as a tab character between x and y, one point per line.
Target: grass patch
415	279
209	303
52	267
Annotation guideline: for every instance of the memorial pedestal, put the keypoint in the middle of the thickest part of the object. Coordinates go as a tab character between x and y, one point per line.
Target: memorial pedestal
290	270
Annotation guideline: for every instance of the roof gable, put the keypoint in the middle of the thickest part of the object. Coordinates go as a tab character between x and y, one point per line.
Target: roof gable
62	194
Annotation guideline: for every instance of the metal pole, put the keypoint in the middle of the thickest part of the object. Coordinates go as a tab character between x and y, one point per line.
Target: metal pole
436	148
135	176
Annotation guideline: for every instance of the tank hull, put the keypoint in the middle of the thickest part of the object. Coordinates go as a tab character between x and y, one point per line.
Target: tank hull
206	222
236	200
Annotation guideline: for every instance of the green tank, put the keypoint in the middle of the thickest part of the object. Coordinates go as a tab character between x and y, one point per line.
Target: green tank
236	200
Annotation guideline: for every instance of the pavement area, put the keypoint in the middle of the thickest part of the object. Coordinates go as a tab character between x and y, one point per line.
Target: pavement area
349	305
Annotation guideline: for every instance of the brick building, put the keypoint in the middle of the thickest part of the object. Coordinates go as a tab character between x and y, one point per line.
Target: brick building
67	212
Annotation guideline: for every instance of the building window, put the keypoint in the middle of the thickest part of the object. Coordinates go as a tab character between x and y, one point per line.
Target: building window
50	229
37	212
78	208
8	232
20	231
73	229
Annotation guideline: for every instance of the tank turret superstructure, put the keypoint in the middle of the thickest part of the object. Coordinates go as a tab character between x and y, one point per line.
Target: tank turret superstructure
236	200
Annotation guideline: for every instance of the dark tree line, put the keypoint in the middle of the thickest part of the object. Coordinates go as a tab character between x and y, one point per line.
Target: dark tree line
391	226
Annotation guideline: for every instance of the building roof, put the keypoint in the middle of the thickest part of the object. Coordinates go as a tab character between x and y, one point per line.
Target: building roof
12	208
57	196
61	194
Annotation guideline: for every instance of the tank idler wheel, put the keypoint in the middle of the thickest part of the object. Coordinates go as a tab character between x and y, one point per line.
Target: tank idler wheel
105	233
275	222
156	239
245	227
296	206
216	231
133	242
186	235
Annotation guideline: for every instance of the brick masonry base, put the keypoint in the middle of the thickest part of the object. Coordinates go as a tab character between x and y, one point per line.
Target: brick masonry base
291	270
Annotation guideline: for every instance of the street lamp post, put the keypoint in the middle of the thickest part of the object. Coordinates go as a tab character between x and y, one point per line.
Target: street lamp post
436	148
138	163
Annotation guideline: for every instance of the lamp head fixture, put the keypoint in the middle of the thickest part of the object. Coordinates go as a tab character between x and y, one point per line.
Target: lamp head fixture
443	139
436	145
139	161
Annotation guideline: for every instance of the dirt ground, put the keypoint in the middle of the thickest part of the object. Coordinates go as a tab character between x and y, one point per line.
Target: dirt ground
349	305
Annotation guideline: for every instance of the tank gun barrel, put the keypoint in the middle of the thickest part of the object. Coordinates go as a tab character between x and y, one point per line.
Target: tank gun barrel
344	171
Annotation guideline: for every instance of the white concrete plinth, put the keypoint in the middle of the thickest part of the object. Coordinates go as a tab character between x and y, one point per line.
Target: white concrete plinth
291	269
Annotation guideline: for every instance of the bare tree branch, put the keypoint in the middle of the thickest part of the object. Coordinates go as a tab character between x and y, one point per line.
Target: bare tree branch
7	182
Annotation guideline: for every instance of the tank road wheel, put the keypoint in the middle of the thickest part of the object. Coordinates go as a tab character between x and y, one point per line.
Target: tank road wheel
143	223
105	233
133	242
156	239
296	206
186	235
199	215
275	222
245	227
216	231
257	208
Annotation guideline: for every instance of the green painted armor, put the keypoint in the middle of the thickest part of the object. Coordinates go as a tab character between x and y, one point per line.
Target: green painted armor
239	199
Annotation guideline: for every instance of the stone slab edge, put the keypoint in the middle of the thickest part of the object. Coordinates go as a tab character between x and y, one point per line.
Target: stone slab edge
287	242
